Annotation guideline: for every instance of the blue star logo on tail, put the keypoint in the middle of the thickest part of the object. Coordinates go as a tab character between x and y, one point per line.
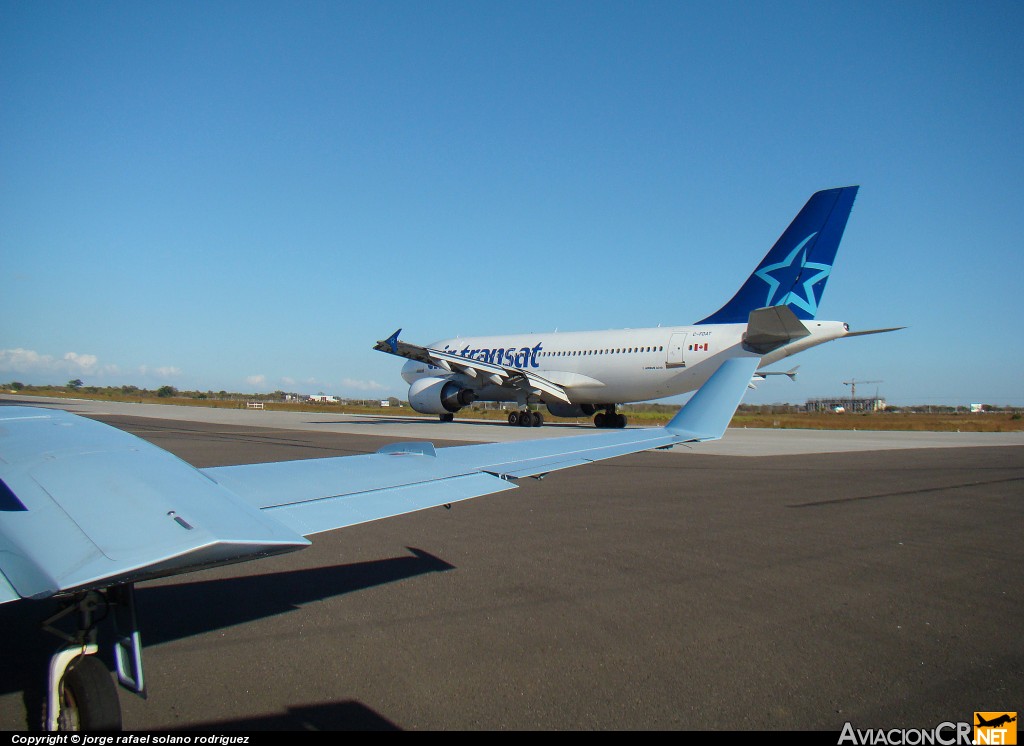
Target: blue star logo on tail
790	274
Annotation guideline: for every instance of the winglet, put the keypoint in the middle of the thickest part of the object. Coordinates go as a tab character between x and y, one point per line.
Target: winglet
390	344
709	411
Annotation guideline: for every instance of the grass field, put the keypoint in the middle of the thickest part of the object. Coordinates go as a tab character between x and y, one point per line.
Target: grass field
991	422
637	413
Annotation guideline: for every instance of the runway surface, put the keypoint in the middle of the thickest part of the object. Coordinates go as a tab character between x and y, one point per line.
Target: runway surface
739	442
661	590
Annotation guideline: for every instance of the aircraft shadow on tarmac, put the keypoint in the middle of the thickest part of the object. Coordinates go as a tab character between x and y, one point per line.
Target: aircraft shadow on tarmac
246	599
25	649
326	716
371	420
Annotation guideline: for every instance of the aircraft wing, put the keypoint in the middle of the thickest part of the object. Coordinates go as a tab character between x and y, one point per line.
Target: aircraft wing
325	494
499	375
84	505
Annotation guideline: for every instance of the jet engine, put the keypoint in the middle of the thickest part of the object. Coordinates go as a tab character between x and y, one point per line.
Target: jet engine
558	409
439	396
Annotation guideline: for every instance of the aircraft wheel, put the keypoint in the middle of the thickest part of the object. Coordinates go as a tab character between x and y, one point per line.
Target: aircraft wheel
448	417
538	419
620	420
88	698
526	418
513	418
599	419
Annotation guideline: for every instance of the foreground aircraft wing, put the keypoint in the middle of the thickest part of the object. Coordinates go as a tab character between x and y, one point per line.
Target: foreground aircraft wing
84	505
499	375
325	494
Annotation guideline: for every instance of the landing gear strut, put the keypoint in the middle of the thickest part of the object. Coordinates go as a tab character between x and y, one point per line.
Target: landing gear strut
610	418
80	693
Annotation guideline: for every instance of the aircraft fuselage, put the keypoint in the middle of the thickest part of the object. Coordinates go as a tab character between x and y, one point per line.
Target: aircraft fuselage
616	365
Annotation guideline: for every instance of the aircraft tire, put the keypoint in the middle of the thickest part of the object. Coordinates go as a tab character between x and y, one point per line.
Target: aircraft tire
513	418
89	698
620	421
538	419
448	417
526	418
599	419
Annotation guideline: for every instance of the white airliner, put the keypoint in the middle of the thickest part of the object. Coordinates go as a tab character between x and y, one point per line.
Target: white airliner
576	374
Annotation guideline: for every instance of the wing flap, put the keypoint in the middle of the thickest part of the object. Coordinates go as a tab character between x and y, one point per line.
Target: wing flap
283	483
501	375
546	456
509	375
331	513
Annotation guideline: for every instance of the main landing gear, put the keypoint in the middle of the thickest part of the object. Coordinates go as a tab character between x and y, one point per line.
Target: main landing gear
610	419
447	417
80	693
86	699
526	418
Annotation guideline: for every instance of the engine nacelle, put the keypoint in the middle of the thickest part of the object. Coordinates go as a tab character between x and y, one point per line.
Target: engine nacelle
439	396
558	409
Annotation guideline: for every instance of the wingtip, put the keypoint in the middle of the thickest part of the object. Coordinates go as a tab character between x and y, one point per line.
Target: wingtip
708	412
390	344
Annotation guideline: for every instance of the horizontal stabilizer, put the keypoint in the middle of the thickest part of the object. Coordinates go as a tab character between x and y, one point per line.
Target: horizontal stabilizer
874	331
770	328
790	374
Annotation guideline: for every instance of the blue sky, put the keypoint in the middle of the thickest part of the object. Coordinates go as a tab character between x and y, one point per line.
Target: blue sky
246	196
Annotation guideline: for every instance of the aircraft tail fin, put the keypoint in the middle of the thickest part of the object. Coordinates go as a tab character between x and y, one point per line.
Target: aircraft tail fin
796	269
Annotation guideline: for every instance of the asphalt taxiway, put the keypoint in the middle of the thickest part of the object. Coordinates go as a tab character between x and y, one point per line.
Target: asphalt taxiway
876	584
739	442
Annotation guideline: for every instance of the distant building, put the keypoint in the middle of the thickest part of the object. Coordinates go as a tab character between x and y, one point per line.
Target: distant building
324	399
839	405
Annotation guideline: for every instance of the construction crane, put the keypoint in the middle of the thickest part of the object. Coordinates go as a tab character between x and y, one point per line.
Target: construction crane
852	383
